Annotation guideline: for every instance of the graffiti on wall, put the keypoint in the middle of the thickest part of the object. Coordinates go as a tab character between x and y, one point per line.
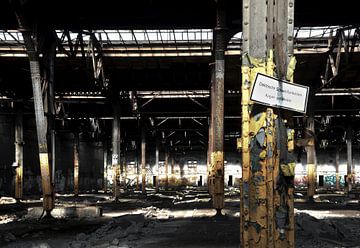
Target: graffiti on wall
330	180
300	180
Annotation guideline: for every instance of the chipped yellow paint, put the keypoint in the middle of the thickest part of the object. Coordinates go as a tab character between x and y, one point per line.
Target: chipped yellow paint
48	196
311	172
19	181
291	69
76	170
291	143
217	165
288	169
238	143
337	181
258	225
256	124
217	161
117	182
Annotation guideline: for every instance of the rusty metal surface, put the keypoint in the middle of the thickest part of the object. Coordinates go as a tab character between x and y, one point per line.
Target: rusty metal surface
143	160
19	153
216	174
311	157
116	149
76	164
41	127
267	218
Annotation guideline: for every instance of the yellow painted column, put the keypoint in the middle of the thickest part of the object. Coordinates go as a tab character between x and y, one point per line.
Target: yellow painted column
19	153
311	158
143	161
76	165
166	170
337	163
267	218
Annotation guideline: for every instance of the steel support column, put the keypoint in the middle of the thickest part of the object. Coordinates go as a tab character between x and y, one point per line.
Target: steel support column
76	163
166	169
311	158
41	126
210	138
124	172
267	217
350	175
49	60
157	166
137	168
172	166
105	166
217	112
337	163
115	157
143	160
19	152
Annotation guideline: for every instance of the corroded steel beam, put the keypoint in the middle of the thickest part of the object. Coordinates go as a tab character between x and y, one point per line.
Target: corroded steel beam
216	174
157	166
166	169
350	170
311	158
115	157
41	126
76	163
19	152
267	143
143	160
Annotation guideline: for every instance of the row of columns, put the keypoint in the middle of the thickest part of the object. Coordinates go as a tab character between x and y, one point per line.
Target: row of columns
117	172
312	163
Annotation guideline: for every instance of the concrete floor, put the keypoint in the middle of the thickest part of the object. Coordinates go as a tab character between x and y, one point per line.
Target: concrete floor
176	218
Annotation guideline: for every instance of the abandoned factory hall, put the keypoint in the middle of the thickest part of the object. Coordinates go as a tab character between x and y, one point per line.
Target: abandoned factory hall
184	124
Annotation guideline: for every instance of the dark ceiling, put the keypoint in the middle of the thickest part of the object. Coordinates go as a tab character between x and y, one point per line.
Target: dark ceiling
160	14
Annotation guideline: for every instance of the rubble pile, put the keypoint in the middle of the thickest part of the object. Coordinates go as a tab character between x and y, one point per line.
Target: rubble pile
118	232
157	213
314	232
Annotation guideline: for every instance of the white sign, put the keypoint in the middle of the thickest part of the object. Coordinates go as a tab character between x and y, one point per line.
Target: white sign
278	93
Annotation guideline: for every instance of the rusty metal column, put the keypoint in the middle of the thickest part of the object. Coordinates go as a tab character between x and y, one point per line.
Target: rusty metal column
350	176
47	189
267	142
311	158
49	57
124	168
19	152
210	146
172	166
217	111
105	166
76	163
137	168
143	160
210	150
166	169
337	163
115	157
157	166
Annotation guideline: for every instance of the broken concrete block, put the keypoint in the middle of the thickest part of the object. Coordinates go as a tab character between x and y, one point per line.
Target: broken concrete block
115	241
78	244
81	237
8	237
